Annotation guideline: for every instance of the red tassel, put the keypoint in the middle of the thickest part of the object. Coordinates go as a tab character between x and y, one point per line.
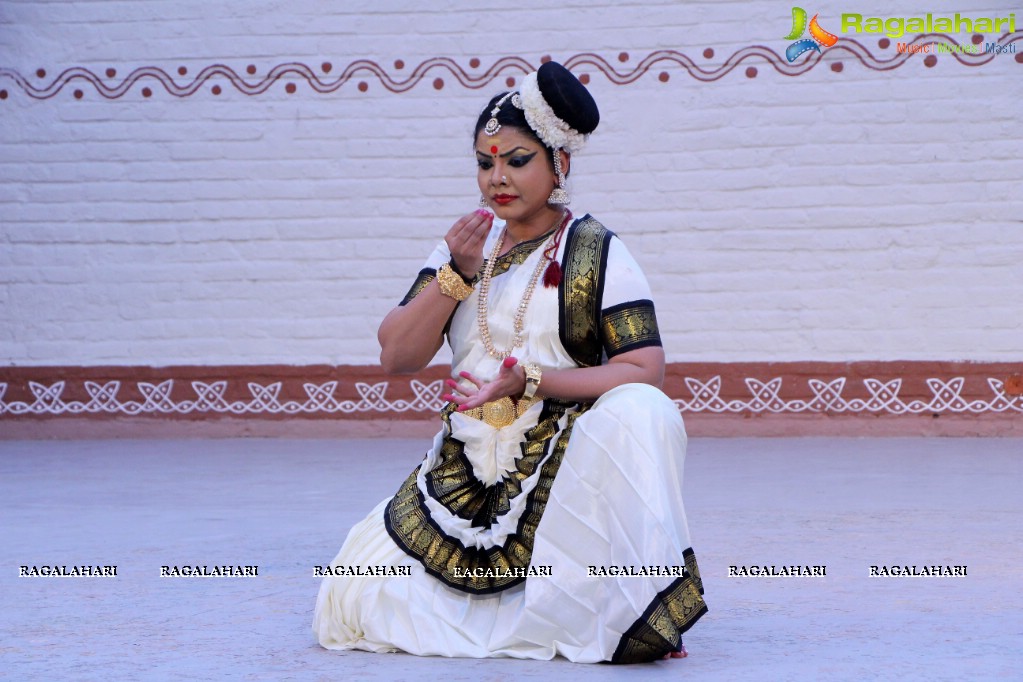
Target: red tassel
552	275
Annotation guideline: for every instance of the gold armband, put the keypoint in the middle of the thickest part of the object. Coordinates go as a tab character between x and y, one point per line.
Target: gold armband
451	283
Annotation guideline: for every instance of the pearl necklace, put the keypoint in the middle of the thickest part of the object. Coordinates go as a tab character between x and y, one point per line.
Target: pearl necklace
520	314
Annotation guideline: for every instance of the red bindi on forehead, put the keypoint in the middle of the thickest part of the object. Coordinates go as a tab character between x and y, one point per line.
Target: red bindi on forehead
493	149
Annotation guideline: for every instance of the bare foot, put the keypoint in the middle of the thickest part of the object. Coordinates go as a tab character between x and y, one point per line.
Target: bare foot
681	653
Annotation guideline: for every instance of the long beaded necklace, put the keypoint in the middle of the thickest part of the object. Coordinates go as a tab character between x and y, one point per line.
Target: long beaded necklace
520	314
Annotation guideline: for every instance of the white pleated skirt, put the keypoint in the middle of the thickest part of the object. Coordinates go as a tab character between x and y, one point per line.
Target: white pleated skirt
616	502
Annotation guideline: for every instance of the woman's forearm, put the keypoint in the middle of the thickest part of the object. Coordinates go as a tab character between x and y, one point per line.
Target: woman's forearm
583	384
642	366
410	335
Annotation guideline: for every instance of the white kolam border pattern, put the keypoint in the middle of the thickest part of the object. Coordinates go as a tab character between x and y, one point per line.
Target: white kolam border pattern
765	397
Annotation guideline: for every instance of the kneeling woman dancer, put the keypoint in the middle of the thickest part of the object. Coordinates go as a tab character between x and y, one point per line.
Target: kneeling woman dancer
546	518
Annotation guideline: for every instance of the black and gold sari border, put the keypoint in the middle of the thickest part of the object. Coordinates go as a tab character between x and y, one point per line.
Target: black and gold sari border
454	484
584	266
629	326
519	253
673	611
472	569
426	275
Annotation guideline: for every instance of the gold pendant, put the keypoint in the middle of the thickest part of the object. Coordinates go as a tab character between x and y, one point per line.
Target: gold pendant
499	413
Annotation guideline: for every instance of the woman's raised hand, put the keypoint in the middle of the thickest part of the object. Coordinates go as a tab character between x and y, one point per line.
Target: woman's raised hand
510	381
465	240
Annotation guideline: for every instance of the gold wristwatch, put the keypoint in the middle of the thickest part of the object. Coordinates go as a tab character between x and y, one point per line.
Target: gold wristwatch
533	376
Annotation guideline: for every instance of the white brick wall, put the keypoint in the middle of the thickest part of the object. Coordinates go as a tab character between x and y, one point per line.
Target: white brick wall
829	216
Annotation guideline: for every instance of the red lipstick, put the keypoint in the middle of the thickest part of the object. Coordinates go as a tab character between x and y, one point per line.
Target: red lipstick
504	199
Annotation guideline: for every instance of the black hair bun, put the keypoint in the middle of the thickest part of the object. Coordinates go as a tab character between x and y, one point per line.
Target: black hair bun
567	97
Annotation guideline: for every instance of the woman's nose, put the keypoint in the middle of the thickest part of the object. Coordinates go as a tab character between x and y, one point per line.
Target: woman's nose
496	173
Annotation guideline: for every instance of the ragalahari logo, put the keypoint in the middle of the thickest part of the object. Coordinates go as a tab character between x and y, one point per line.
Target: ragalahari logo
819	37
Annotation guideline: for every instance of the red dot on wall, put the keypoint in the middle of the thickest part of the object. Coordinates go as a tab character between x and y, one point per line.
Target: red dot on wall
399	64
363	86
584	79
146	92
111	73
3	94
884	43
751	72
290	88
41	73
1019	58
708	53
623	56
79	94
837	67
544	59
215	90
438	83
663	76
977	39
251	69
182	70
474	63
510	82
930	60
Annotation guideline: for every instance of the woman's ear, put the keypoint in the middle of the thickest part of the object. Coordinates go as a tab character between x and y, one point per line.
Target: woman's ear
566	161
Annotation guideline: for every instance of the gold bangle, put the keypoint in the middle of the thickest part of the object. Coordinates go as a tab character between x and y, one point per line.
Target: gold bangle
451	284
533	376
471	281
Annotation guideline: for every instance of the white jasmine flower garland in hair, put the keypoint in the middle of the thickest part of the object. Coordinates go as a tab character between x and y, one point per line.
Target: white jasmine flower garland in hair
554	132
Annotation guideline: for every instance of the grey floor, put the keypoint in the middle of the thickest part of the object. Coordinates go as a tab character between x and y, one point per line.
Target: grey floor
286	505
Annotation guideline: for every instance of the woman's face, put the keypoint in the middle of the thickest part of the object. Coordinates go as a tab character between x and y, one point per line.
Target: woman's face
526	165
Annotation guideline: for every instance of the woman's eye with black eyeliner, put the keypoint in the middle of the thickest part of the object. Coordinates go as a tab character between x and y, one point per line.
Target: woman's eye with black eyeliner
520	161
484	165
